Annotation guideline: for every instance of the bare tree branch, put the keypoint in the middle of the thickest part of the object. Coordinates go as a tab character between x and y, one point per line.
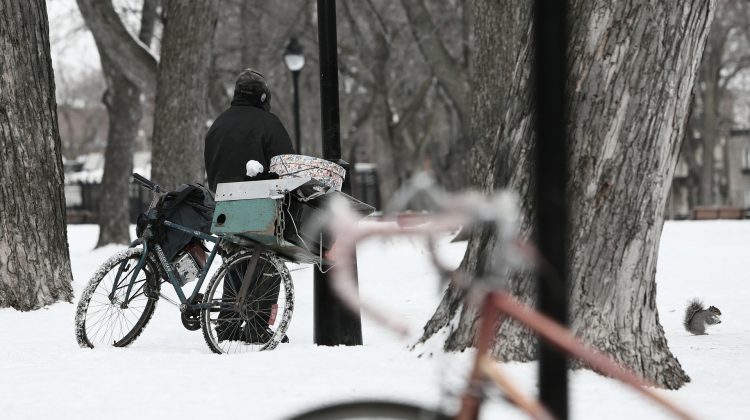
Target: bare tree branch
449	73
379	17
742	64
410	110
356	30
134	58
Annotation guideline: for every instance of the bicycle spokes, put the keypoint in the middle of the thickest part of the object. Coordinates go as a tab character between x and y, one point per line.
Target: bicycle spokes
106	315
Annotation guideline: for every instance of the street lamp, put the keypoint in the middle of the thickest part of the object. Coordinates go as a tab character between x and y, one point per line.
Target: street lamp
294	58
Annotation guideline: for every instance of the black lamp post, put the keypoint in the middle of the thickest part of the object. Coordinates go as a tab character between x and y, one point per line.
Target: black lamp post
334	324
294	58
551	222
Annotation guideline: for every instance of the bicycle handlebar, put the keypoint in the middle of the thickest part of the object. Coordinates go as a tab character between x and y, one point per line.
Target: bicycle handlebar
453	212
137	178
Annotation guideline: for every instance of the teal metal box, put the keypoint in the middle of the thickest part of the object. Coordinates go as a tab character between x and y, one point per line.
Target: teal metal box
272	213
253	219
251	212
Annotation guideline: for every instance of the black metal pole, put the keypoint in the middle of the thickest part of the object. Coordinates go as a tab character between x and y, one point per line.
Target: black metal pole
297	141
551	179
333	323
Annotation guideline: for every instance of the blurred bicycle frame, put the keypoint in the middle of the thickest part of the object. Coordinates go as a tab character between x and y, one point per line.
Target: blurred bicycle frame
488	293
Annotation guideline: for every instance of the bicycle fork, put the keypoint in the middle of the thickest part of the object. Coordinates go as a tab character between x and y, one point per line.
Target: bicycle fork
123	267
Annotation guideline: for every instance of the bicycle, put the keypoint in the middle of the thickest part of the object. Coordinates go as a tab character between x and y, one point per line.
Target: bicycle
247	305
488	292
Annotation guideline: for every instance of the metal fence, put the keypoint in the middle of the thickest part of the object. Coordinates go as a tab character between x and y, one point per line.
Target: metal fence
82	202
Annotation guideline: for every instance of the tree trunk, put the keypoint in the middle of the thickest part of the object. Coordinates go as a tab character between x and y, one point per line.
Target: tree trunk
181	97
633	66
123	102
34	258
124	108
709	132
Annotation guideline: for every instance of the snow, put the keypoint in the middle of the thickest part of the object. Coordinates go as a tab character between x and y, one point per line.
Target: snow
170	373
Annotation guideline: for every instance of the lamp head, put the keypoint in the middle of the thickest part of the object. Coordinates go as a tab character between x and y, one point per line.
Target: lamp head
294	55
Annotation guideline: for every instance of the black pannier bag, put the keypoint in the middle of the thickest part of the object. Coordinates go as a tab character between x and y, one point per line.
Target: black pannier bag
190	205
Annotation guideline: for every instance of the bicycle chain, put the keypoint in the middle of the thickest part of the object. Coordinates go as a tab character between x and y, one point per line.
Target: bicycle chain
280	220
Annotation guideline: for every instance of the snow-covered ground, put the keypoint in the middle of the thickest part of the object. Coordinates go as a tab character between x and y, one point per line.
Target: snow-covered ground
170	373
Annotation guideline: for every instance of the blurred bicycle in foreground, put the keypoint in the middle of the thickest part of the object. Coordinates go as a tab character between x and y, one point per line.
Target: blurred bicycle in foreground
489	293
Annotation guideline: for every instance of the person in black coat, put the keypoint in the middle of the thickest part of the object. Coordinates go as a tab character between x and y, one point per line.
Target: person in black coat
245	132
239	147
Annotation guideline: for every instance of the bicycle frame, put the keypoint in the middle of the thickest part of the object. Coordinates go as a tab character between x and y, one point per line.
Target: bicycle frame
186	302
498	305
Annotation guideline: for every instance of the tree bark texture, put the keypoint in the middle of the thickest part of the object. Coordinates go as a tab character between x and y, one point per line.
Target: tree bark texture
124	108
632	68
34	259
181	98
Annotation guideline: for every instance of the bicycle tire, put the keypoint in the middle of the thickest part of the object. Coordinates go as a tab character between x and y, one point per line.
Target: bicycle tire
271	271
372	409
90	324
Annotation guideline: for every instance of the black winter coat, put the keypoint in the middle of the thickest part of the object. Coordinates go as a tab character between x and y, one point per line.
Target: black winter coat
241	133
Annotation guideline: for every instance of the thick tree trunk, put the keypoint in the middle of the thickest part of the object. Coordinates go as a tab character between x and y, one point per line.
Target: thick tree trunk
124	108
633	66
181	97
34	258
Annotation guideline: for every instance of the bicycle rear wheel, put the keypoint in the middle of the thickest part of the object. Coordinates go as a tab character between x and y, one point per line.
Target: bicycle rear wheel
371	410
261	322
102	316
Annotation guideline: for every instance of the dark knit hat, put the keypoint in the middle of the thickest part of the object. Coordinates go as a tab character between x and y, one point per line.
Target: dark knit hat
252	85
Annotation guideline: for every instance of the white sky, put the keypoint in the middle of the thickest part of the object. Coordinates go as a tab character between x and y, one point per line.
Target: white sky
72	46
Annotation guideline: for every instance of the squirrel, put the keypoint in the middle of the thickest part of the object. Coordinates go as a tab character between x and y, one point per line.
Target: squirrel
697	317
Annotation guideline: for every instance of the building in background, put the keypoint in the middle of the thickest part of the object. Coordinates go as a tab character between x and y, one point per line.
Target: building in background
731	182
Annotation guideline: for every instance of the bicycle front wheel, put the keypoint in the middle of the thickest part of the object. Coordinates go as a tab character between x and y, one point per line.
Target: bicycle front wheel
371	410
257	322
104	317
